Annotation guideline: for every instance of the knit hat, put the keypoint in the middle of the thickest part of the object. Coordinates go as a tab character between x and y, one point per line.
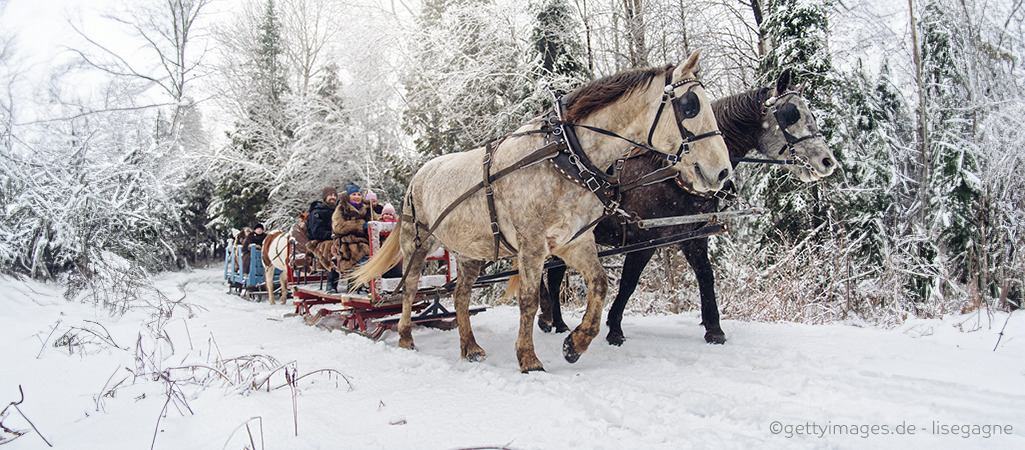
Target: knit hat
370	196
351	188
388	209
259	225
327	191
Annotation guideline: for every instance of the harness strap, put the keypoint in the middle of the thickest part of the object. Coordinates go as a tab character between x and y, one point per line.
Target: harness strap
540	154
489	193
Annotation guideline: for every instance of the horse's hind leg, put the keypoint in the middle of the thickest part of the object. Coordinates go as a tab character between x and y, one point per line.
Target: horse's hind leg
468	270
414	264
551	309
269	279
632	268
696	251
583	256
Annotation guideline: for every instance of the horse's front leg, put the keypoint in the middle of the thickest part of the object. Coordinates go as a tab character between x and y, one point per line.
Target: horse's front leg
696	251
468	270
632	268
583	256
531	266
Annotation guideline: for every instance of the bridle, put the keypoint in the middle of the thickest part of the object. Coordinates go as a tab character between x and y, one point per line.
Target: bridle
778	106
669	96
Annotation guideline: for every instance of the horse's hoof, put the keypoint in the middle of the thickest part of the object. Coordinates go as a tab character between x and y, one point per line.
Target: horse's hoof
561	327
568	351
546	327
476	357
615	338
533	369
715	338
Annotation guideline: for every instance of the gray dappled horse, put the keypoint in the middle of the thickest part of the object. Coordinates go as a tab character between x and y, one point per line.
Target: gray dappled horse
776	122
537	211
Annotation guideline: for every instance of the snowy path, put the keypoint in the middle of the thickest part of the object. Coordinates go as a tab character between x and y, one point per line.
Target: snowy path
665	388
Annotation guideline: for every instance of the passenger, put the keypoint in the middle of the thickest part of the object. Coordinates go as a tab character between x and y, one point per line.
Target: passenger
318	231
239	239
254	238
371	198
349	224
388	213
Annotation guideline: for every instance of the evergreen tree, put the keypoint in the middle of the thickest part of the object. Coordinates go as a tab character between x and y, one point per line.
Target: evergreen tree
557	54
260	141
798	34
557	50
465	87
955	193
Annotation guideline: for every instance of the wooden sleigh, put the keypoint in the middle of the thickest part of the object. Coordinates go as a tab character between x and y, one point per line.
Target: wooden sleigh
373	312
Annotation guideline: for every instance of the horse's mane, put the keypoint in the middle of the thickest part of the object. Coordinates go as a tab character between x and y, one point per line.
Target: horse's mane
740	119
599	93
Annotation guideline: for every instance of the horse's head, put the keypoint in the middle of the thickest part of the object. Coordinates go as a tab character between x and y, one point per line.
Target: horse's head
793	133
690	130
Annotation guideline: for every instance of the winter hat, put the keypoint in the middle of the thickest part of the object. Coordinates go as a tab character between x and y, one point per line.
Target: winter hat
327	191
370	196
388	209
351	188
258	226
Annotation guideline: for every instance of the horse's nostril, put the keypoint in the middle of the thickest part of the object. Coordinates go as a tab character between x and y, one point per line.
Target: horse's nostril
724	174
826	162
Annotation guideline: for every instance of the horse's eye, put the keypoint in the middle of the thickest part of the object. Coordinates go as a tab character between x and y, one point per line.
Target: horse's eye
688	106
787	115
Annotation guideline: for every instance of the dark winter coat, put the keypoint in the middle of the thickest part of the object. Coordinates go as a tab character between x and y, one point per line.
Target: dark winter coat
254	238
251	239
318	222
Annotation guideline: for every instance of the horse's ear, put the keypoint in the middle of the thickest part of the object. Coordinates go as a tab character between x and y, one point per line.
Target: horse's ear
689	66
783	83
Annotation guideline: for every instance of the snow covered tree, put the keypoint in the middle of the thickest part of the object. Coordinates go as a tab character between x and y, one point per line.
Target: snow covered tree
466	85
797	33
262	132
556	47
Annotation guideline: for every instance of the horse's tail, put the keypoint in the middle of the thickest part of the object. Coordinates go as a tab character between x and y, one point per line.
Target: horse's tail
384	259
513	284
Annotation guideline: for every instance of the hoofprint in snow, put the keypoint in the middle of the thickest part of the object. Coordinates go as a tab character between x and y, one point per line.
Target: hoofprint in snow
927	383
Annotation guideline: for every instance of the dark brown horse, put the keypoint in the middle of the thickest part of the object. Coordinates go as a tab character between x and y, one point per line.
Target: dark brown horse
774	121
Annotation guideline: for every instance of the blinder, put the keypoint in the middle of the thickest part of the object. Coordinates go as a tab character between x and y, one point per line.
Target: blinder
787	115
688	105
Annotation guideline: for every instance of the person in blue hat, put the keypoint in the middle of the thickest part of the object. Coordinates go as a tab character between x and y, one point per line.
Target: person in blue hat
349	224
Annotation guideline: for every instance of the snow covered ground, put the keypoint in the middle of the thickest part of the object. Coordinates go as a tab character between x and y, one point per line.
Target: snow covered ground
775	385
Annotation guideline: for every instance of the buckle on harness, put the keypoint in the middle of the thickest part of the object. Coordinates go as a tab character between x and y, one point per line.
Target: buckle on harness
597	184
494	228
489	190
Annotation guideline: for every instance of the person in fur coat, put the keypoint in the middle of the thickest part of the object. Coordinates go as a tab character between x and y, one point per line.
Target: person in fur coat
349	224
